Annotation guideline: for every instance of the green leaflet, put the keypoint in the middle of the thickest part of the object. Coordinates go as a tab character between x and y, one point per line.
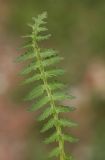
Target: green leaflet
61	109
40	103
66	137
45	63
69	157
66	123
48	53
36	92
58	96
61	96
70	139
26	56
48	74
42	29
54	137
26	46
40	19
31	67
48	125
49	111
41	38
46	113
54	72
51	61
56	85
28	36
55	152
32	79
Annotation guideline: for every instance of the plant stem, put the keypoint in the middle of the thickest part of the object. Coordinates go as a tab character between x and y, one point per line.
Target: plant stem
49	94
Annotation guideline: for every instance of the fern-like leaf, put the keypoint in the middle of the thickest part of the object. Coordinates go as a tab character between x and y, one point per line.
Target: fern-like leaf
48	92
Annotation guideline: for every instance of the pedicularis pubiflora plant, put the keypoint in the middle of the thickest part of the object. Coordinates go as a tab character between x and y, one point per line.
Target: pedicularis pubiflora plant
49	92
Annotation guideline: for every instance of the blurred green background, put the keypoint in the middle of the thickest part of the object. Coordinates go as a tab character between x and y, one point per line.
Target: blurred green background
78	32
77	26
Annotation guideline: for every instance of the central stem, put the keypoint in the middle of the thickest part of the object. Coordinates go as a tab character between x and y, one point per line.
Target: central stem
49	94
